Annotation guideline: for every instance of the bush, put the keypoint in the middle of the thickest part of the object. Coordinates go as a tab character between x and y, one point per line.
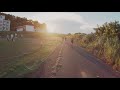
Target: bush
104	43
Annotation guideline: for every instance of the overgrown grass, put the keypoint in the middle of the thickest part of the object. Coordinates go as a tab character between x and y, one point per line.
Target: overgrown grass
107	49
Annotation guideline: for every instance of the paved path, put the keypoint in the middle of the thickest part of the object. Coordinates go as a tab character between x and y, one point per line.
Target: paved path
73	62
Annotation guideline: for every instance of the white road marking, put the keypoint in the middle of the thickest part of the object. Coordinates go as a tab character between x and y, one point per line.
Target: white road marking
84	75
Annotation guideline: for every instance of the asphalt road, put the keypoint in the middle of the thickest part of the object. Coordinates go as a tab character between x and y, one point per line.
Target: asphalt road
71	61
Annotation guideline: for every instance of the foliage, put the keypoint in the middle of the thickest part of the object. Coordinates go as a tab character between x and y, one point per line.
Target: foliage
104	43
18	21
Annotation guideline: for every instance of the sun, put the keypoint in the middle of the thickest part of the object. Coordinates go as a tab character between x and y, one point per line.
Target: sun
51	28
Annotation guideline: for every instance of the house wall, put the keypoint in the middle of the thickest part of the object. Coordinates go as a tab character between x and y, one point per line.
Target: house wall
29	28
1	25
19	29
4	24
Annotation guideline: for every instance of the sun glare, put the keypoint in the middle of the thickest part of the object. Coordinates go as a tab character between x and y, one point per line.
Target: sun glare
51	28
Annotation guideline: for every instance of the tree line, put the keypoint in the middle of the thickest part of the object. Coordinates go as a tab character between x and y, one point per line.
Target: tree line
19	21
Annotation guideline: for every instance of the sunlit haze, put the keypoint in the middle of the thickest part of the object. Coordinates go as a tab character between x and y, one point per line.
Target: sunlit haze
59	45
70	22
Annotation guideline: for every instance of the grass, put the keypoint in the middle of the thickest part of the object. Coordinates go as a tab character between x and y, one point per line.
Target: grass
104	48
8	49
19	66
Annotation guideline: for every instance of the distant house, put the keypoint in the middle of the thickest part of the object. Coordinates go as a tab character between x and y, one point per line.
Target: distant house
2	17
20	28
4	24
26	28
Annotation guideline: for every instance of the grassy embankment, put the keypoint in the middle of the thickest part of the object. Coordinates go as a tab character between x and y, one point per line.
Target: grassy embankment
11	66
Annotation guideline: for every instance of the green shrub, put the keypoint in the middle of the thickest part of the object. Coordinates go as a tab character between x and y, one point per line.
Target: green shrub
104	43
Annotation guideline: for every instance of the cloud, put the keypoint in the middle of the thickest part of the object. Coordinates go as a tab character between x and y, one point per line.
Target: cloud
87	28
66	26
69	26
66	22
62	22
48	16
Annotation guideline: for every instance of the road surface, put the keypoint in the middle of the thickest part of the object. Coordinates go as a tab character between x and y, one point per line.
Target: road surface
73	62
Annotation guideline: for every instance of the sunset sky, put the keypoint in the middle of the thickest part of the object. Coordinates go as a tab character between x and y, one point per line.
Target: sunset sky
70	22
